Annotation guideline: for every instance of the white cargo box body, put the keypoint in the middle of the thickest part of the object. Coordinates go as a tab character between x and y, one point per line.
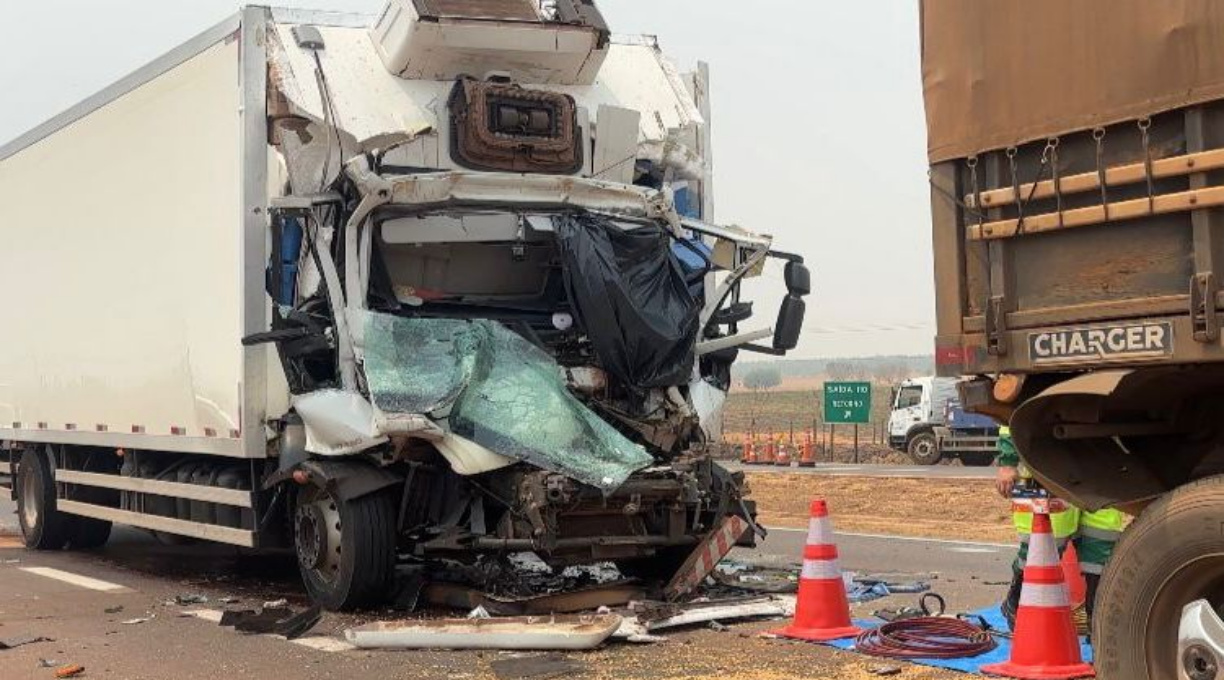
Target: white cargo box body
134	235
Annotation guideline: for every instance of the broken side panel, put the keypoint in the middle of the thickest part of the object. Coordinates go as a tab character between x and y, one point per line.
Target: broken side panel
492	387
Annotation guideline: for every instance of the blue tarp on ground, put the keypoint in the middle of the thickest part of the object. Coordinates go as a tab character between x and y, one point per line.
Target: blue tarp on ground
994	617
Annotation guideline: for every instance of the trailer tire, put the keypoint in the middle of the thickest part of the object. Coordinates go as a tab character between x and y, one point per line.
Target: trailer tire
923	449
345	549
43	527
1172	555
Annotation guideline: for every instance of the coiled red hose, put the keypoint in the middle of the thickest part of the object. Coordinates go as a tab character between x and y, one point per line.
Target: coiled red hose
925	638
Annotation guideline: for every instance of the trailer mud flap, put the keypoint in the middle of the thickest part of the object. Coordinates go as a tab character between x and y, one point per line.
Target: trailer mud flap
1070	437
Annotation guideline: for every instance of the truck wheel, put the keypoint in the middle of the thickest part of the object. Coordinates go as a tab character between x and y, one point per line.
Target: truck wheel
345	549
923	449
1170	557
42	526
977	459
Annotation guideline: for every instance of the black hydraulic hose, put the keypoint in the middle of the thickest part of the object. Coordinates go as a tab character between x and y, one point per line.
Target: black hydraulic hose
925	638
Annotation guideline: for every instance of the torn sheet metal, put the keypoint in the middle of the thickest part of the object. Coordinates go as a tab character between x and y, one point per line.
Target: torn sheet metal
525	632
653	617
631	296
497	390
338	423
378	109
615	594
467	458
371	105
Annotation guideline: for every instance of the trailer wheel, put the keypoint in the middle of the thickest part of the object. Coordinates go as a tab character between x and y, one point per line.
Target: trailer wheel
923	449
43	527
1170	557
345	549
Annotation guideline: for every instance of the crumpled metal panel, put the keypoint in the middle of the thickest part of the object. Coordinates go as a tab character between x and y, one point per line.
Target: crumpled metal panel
496	389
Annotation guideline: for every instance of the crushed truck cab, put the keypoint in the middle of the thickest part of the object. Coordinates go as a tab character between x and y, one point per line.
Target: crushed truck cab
485	306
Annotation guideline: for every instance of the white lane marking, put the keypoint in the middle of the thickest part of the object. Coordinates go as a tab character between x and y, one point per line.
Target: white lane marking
960	549
889	537
75	579
319	643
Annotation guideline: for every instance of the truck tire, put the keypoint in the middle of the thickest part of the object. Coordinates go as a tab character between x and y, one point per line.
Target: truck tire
345	549
1171	556
923	449
43	527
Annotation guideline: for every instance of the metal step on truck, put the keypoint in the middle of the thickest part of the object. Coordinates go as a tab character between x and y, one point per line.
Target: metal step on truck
438	284
1077	192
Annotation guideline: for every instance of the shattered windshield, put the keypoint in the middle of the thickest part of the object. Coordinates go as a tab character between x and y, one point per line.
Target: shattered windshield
490	385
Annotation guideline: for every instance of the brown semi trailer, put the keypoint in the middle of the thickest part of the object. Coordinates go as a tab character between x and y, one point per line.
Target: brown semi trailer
1077	191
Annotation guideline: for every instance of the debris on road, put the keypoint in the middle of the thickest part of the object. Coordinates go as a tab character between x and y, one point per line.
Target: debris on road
189	599
273	621
542	667
113	610
10	643
518	632
884	670
655	616
69	671
138	621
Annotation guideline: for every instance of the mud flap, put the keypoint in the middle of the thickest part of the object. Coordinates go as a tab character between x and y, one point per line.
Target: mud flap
1078	468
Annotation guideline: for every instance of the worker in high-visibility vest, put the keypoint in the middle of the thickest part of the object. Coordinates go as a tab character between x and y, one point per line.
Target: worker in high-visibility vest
1093	533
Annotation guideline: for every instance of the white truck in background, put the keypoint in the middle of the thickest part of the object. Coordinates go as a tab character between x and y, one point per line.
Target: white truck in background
439	284
928	424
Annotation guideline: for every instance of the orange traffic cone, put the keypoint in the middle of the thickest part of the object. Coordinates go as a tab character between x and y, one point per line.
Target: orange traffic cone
822	611
748	455
784	457
807	458
1077	586
770	451
1045	645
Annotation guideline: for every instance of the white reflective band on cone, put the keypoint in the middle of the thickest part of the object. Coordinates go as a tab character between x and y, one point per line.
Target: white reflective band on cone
1044	595
821	569
820	531
1042	552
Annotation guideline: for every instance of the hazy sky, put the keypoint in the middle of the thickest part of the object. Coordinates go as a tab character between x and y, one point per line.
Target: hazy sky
819	135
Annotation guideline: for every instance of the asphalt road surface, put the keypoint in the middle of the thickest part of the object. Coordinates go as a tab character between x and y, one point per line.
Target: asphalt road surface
873	470
94	606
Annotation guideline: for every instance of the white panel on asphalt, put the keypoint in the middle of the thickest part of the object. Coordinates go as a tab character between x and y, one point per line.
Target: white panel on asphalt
325	644
211	615
75	579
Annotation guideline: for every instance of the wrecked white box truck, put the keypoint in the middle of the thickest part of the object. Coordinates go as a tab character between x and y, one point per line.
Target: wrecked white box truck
439	284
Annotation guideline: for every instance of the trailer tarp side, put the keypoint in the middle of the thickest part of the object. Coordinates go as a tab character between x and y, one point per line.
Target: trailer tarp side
998	74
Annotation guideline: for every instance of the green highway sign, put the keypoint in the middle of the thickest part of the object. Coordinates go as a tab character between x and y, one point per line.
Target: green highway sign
847	403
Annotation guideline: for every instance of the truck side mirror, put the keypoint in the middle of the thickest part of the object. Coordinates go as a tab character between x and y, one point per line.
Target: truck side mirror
790	323
798	279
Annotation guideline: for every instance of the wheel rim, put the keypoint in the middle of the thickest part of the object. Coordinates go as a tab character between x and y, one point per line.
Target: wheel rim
1200	579
923	448
316	527
30	497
